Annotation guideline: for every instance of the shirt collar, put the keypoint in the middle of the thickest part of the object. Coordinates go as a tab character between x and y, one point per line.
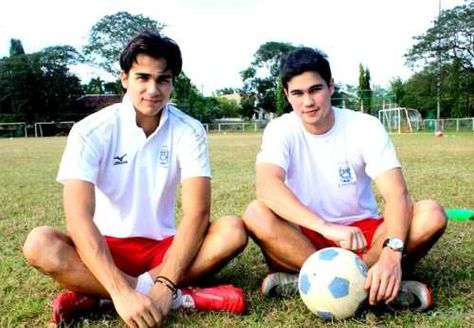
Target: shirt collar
129	115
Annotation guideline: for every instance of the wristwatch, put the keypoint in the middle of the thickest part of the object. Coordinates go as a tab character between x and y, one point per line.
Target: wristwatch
394	243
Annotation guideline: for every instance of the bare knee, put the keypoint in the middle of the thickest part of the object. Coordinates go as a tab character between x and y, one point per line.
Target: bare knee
259	220
433	215
429	219
42	248
232	232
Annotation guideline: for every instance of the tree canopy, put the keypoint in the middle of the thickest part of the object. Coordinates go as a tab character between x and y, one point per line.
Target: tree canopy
445	54
38	86
451	38
260	78
111	33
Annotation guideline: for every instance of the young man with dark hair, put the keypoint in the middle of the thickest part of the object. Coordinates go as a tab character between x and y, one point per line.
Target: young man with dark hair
314	174
120	171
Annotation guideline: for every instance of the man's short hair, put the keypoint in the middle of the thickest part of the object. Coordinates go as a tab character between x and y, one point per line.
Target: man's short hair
154	45
303	60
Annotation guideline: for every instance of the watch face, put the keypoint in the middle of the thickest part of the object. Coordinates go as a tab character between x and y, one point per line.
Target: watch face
395	243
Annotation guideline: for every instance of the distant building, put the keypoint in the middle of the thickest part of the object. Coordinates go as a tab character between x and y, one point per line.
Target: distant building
92	103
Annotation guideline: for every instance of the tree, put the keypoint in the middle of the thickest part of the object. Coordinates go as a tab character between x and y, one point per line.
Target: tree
39	86
18	87
260	78
59	88
95	86
16	47
225	91
365	92
281	103
397	88
247	105
228	107
445	54
451	37
187	97
114	87
110	35
420	90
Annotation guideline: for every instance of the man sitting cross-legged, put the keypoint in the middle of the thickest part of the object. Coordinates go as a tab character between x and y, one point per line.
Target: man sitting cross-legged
313	176
120	170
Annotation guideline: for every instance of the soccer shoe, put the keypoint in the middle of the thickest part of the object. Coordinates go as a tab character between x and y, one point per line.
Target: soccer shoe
226	298
413	296
69	305
280	284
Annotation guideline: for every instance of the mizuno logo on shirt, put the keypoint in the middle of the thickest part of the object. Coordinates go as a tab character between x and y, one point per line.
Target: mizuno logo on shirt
120	160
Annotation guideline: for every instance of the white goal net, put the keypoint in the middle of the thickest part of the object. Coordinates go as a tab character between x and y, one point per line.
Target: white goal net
14	129
401	119
48	129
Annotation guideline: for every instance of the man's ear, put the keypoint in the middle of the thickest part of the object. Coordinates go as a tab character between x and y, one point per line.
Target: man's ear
124	79
331	86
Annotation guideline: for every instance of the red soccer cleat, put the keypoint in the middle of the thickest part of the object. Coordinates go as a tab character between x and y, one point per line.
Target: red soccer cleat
226	298
69	305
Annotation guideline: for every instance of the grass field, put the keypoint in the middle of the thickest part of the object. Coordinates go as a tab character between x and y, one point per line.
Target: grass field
438	168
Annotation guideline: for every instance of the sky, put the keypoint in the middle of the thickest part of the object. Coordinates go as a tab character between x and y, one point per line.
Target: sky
218	38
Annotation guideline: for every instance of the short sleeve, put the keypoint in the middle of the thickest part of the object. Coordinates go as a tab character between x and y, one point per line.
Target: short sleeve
80	159
193	155
274	148
379	153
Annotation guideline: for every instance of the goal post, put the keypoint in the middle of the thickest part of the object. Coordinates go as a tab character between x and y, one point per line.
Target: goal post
401	119
43	129
13	129
234	126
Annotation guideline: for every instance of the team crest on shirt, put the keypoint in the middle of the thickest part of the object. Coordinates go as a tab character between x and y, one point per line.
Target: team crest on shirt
346	174
164	156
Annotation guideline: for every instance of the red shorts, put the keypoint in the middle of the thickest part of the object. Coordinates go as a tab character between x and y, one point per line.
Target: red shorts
367	226
137	255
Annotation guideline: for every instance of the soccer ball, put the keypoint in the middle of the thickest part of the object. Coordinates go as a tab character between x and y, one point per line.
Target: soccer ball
331	283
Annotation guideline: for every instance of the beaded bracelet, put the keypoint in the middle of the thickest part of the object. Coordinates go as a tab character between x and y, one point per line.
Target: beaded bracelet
168	284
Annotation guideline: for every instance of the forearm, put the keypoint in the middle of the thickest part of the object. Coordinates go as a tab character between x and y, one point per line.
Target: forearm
282	201
185	247
196	204
397	215
95	254
79	207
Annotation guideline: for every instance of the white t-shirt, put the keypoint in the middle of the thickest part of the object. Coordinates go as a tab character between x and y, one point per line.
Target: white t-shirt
331	173
135	177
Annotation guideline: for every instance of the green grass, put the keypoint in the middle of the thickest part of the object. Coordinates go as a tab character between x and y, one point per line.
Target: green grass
438	168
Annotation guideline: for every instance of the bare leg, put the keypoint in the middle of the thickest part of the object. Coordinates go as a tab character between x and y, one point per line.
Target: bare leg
428	223
53	253
226	237
284	246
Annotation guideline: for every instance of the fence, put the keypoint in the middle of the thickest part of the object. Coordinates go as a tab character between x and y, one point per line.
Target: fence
13	129
224	127
449	124
21	129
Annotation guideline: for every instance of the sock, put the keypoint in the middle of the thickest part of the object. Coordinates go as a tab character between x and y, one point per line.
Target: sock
178	300
187	302
144	283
